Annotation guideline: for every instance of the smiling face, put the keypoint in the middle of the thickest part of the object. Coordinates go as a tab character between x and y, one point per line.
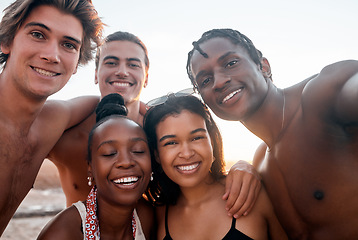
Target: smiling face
45	52
121	164
184	148
121	69
230	83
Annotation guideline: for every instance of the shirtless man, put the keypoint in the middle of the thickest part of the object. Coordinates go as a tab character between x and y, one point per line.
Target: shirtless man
309	160
39	53
122	67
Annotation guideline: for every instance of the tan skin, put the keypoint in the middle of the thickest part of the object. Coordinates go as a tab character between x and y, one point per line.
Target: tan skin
122	62
309	160
42	57
199	212
119	150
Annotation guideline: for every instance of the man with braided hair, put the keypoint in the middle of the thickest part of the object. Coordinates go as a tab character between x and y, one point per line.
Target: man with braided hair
308	160
42	42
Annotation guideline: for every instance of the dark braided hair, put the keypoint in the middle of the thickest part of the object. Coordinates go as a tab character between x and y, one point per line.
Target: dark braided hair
234	36
110	106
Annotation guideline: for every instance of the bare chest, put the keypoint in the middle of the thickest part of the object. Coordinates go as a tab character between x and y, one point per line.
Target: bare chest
311	178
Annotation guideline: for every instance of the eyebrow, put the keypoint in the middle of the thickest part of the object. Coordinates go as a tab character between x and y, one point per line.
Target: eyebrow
192	132
220	59
224	56
116	58
41	25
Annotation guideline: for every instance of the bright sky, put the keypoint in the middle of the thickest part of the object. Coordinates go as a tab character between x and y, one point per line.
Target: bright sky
298	37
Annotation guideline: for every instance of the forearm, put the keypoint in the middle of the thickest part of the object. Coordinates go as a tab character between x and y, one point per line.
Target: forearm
80	108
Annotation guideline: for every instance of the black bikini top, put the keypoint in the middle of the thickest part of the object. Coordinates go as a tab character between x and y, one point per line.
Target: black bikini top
233	233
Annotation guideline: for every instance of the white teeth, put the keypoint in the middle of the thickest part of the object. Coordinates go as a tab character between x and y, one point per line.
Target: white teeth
44	72
188	167
121	84
126	180
230	95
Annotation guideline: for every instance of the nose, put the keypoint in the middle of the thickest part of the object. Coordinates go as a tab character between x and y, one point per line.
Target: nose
124	160
122	71
186	151
221	81
51	52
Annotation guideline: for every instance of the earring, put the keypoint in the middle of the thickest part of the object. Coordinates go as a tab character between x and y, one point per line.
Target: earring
89	181
151	176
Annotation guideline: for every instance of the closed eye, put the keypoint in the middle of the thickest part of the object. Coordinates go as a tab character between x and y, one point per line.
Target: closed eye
109	154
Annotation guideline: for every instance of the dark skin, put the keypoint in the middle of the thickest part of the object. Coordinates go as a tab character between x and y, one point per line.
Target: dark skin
309	159
119	150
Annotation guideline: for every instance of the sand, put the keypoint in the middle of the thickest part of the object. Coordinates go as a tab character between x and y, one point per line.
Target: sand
42	203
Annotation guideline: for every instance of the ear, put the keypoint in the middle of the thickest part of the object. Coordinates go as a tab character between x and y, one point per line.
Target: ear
75	71
5	49
266	68
95	77
146	81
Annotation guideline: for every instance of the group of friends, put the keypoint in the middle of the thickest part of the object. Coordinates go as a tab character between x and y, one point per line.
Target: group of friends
157	171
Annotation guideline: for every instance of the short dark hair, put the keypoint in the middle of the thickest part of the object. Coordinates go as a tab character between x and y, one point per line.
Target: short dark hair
124	36
16	13
234	36
162	190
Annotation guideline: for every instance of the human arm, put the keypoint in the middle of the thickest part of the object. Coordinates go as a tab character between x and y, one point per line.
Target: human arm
333	94
73	111
346	105
242	187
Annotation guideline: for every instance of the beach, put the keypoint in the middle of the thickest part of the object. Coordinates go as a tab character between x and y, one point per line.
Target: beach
41	204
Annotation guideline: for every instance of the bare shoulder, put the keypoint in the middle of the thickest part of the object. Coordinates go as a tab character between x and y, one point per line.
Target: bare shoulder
147	217
321	93
331	77
259	155
65	225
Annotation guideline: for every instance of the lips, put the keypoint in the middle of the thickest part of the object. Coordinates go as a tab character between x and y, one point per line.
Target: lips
126	180
121	84
45	72
188	168
231	95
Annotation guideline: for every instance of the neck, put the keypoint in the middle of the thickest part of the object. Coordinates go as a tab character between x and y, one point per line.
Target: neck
201	193
17	108
270	119
114	220
133	112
